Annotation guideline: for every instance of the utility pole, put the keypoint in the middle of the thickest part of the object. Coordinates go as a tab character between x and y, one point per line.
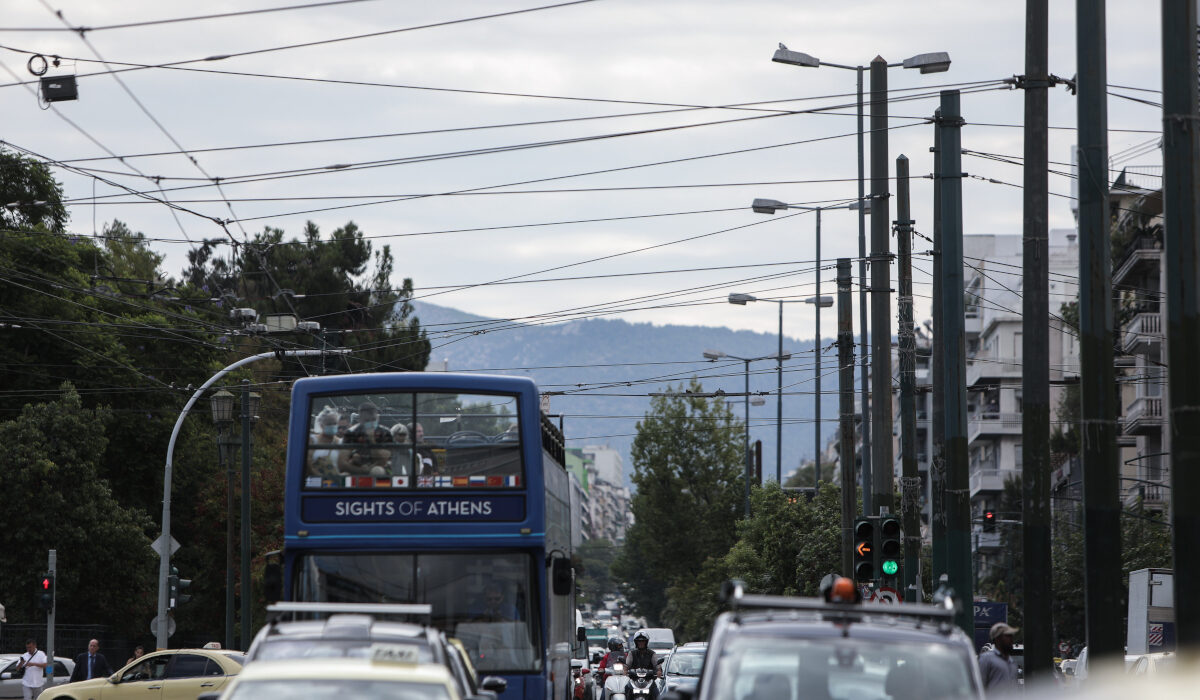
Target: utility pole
937	465
1035	354
1101	485
954	377
863	330
1181	148
52	567
881	297
910	477
247	588
846	409
817	353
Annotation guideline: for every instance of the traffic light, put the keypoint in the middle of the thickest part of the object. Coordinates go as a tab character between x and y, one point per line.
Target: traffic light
864	549
45	591
176	587
989	521
891	549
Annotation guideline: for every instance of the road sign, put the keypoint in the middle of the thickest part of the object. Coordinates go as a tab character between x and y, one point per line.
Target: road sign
888	595
156	545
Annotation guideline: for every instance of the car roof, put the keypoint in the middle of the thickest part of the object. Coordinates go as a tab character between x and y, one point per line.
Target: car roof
865	626
345	626
344	668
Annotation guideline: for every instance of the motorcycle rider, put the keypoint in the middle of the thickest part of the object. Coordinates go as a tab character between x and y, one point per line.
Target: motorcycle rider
642	656
615	655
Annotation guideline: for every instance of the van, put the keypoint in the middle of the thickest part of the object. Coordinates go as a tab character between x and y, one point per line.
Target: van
662	639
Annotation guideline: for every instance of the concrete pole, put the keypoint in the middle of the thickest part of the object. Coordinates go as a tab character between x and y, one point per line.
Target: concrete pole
1098	414
779	403
954	378
846	409
52	567
247	587
881	297
1181	146
937	465
817	352
864	334
746	401
1035	355
910	477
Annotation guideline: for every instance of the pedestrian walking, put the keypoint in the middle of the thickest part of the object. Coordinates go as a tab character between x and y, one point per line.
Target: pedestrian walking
33	664
996	666
91	664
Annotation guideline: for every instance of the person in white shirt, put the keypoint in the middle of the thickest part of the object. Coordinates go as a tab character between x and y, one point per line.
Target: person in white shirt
33	661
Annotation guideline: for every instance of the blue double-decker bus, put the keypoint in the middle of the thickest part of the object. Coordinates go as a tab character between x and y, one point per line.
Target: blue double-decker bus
437	488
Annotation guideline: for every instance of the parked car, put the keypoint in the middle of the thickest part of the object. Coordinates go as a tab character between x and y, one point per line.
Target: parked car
683	665
10	687
170	675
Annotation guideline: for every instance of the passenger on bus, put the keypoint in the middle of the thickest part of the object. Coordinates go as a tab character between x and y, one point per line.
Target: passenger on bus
322	458
401	456
493	607
427	463
366	459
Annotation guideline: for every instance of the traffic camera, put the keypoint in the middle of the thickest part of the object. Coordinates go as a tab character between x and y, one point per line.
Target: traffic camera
864	549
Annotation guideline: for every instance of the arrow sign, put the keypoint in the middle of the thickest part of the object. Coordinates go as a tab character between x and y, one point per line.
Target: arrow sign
863	548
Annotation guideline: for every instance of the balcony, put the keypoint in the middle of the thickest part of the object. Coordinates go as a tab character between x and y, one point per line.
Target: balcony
992	424
1143	333
990	370
1144	415
1143	254
988	480
971	320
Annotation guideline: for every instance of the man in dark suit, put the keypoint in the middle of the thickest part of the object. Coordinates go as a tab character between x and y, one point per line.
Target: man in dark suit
91	664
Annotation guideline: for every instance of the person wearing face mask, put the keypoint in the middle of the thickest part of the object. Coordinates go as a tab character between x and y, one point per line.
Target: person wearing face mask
321	455
366	460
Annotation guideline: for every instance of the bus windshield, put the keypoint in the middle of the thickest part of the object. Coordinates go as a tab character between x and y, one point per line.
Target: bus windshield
486	600
405	439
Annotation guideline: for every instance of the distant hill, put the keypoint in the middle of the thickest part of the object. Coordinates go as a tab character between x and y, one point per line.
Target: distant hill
621	356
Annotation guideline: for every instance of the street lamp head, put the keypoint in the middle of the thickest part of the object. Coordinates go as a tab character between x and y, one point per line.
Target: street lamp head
776	356
823	302
741	299
255	400
767	206
713	354
222	407
936	62
757	401
794	58
864	204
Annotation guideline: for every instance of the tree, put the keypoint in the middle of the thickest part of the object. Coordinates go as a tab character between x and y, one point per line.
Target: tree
31	198
687	461
52	469
596	558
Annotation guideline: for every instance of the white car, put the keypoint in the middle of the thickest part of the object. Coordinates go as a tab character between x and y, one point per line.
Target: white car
392	673
11	687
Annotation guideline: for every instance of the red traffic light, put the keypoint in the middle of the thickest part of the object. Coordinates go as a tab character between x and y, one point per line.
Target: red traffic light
45	583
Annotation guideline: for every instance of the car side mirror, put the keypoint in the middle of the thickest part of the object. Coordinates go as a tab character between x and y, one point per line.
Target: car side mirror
496	684
562	576
273	577
6	676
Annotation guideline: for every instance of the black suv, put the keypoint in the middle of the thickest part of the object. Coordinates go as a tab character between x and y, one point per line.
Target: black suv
351	628
777	648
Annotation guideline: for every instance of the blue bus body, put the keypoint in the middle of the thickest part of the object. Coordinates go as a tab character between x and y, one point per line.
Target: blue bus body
462	503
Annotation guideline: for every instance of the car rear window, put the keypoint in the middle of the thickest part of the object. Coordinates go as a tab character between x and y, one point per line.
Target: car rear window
342	689
326	648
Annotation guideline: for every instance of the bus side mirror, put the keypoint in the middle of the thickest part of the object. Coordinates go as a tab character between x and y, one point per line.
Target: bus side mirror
273	577
562	576
581	634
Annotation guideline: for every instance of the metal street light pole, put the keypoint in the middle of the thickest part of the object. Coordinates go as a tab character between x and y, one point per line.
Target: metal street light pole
936	62
164	562
222	411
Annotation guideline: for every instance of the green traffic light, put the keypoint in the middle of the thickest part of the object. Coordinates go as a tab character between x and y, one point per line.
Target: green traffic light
890	567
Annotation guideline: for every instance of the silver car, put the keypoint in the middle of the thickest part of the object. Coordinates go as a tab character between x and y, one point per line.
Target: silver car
10	687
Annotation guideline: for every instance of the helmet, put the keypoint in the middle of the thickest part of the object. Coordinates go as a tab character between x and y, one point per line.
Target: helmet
615	644
641	637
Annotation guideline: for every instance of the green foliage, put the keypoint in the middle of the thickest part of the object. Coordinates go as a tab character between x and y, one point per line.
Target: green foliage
688	464
30	186
596	558
60	501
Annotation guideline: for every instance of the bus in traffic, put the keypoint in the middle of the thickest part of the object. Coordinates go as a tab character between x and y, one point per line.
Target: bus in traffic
437	488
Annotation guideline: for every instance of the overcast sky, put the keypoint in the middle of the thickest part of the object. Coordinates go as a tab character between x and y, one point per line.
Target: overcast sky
647	53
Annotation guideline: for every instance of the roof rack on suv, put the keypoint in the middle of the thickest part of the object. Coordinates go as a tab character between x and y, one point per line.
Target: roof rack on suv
734	593
412	609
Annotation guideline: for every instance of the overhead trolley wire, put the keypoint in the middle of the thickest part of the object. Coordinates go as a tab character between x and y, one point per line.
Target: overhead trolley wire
156	22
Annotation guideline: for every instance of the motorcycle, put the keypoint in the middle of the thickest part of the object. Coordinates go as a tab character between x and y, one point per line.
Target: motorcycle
641	684
616	685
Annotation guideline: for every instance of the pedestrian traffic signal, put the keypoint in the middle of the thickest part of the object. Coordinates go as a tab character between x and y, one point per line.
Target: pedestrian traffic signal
45	591
989	521
864	549
891	548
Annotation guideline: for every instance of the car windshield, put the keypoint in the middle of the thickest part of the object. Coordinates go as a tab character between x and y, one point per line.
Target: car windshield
485	600
328	648
344	689
841	669
685	663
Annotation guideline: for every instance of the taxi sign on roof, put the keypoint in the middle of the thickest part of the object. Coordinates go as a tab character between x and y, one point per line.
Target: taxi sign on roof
394	653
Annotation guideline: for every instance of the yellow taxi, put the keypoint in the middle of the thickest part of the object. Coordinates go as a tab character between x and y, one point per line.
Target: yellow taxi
172	674
391	672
